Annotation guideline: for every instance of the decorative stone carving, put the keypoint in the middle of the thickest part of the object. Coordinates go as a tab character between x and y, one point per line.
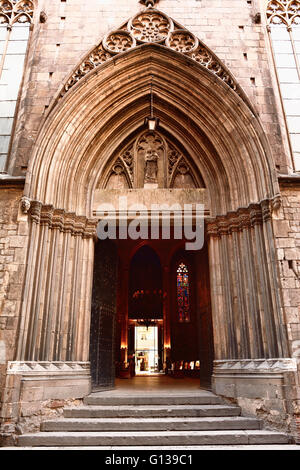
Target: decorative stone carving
47	215
283	12
151	166
127	158
46	367
243	218
150	148
43	17
118	41
97	57
173	157
255	366
183	177
150	26
182	41
149	3
12	11
159	162
118	176
208	60
25	204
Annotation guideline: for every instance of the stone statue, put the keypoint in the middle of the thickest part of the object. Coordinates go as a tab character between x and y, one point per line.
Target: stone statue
151	166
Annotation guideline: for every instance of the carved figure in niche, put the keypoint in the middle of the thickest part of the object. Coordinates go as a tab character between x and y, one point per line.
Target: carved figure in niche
151	166
150	151
183	178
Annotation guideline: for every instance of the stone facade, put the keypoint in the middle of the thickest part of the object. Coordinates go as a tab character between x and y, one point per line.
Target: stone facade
88	71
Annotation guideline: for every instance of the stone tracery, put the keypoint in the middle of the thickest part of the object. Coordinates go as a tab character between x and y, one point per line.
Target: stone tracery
13	11
146	160
152	26
283	12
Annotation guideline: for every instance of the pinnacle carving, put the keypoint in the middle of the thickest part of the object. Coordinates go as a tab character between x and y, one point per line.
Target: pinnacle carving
152	26
149	3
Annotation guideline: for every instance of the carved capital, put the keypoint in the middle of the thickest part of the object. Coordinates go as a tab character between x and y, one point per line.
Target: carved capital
223	225
266	210
244	218
212	228
91	229
46	215
58	219
255	215
35	211
69	222
79	225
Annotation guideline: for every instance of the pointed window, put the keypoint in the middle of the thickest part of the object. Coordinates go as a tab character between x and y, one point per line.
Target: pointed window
283	18
15	22
183	293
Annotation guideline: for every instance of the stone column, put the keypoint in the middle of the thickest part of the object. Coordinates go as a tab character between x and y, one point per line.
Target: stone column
52	354
251	351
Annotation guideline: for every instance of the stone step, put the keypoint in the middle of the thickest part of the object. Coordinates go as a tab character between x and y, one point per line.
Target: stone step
151	438
153	411
203	399
152	424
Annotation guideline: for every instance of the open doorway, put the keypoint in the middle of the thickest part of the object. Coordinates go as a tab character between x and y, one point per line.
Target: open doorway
146	351
162	312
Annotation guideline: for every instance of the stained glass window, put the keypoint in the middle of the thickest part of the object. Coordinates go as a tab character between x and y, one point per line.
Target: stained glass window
183	293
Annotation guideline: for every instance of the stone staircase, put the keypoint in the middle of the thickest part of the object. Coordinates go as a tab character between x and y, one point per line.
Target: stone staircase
152	420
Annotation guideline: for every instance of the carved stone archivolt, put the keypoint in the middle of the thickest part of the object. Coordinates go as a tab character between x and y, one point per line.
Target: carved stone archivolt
13	11
151	160
152	26
283	12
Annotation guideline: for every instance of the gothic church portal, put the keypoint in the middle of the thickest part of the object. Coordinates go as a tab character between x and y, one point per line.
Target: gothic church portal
159	102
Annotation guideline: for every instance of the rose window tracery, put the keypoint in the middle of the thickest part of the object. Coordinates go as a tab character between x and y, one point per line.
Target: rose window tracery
150	26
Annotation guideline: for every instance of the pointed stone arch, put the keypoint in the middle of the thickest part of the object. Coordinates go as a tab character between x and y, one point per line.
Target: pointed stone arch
224	138
76	145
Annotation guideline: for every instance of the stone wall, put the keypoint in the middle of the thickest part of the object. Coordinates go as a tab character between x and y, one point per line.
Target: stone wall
72	28
287	232
13	243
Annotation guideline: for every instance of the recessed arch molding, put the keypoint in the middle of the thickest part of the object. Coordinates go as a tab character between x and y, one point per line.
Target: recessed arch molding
103	107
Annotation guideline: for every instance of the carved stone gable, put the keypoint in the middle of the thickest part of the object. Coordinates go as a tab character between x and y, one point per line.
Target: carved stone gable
153	26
